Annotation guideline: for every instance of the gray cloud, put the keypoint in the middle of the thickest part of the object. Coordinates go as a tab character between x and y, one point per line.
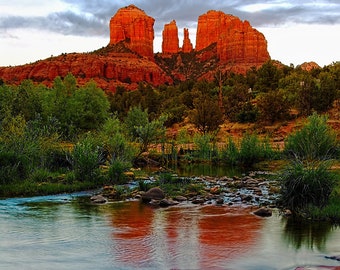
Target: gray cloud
91	18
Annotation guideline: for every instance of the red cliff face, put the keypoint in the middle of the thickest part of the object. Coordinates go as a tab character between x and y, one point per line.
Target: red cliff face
131	25
170	42
209	28
237	41
108	67
187	45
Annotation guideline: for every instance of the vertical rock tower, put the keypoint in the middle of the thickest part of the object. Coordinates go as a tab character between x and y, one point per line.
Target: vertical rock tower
132	26
187	45
170	43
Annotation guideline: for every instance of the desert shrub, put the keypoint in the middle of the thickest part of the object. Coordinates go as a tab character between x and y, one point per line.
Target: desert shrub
13	166
116	171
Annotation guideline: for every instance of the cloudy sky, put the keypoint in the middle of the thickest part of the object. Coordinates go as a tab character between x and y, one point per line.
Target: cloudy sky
296	31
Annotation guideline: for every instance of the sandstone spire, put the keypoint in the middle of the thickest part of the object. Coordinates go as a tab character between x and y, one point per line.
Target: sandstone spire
170	42
187	45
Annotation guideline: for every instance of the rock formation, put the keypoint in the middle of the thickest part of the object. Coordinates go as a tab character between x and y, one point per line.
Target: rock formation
237	41
308	66
222	41
109	67
209	28
131	25
187	45
170	43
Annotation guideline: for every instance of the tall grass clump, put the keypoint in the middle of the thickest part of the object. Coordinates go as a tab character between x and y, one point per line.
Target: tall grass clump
305	184
315	141
251	150
230	153
203	146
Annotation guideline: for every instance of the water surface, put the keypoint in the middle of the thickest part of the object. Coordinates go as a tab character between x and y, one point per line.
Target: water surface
67	232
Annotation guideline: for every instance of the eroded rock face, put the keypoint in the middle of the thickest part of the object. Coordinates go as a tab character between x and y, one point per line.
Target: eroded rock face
209	28
132	25
187	45
170	42
237	41
108	67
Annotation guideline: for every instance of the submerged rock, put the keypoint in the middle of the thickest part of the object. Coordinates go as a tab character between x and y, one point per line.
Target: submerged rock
337	258
263	212
167	202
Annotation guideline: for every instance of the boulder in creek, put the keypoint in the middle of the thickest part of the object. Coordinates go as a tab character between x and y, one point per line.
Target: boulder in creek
154	193
263	212
180	198
99	199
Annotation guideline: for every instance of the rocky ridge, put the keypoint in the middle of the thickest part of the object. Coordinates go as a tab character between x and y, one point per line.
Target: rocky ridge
223	42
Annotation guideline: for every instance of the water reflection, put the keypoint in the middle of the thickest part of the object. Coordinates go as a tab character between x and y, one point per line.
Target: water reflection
66	232
133	226
307	234
195	237
195	169
226	233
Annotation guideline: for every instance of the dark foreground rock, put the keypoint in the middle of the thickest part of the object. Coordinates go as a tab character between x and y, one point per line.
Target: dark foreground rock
263	212
153	194
337	258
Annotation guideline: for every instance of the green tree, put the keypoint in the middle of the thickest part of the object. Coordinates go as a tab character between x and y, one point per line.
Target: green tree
273	106
77	109
326	94
90	107
136	117
142	130
27	101
237	103
7	96
206	115
268	76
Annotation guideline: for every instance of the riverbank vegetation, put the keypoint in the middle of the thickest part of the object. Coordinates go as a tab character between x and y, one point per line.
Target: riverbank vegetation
68	137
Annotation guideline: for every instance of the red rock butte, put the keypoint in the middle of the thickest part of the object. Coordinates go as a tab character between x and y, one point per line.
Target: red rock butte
237	41
135	28
222	41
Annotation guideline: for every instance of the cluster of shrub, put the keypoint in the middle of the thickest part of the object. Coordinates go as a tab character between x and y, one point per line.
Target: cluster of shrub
270	93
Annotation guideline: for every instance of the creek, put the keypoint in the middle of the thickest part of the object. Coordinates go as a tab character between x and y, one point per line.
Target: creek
68	232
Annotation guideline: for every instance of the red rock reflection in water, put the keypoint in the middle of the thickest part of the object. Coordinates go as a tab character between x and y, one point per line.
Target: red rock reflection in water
132	222
226	233
179	237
